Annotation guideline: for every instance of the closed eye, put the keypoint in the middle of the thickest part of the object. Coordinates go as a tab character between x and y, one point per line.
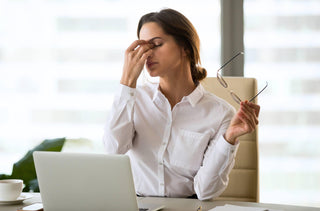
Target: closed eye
157	45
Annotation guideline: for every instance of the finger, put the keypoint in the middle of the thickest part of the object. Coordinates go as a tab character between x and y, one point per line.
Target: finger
247	108
248	126
246	105
250	119
143	49
146	55
255	107
250	112
135	44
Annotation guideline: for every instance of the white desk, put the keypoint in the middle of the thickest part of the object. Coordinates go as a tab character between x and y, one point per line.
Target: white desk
178	204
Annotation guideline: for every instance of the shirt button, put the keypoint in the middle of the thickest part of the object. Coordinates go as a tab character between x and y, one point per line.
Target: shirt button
161	184
160	163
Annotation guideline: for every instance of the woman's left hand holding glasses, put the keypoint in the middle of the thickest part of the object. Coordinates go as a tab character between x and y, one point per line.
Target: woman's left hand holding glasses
245	121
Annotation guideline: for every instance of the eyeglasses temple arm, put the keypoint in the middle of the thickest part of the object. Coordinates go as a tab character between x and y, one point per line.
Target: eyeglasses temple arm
229	61
259	92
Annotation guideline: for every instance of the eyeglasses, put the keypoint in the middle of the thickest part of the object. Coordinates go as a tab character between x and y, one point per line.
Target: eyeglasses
234	96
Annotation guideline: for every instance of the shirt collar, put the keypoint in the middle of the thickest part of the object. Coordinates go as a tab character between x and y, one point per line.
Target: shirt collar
193	98
196	95
157	92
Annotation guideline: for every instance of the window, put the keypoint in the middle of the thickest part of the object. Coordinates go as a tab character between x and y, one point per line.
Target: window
61	62
282	47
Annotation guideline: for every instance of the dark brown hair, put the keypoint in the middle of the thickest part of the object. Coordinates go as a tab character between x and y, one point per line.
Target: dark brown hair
177	25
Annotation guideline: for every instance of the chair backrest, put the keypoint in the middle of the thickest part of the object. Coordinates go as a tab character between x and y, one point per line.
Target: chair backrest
244	177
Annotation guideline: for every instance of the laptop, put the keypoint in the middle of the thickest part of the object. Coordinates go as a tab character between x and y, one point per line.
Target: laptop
86	181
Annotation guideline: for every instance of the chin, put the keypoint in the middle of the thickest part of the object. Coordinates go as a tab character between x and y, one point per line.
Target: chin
152	73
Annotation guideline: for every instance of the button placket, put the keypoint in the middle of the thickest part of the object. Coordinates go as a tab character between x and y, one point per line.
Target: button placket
161	157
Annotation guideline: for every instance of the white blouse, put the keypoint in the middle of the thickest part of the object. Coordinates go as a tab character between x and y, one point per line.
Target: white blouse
173	153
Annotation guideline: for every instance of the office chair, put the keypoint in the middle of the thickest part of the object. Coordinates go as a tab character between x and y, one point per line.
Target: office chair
244	177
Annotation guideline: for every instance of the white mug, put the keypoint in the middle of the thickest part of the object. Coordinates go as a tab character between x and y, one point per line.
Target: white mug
10	189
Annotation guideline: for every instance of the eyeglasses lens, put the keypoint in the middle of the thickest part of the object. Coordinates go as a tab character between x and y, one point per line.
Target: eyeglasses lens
222	81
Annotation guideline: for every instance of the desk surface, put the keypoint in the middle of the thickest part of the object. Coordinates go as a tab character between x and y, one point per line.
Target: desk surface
180	204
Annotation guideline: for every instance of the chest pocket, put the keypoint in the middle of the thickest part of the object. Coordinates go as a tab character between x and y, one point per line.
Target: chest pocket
188	149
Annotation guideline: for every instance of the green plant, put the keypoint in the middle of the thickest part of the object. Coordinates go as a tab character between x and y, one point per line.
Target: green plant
24	169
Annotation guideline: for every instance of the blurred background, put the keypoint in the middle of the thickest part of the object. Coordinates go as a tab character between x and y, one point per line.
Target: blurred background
61	62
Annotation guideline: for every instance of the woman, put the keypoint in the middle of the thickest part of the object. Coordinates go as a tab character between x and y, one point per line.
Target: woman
181	139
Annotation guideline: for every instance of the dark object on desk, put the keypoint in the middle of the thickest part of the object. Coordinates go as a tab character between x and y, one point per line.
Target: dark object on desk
24	169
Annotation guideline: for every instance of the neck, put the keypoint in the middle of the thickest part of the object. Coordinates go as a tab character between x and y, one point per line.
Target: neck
176	87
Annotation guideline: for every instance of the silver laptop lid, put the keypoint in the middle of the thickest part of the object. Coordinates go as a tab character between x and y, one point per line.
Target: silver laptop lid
83	181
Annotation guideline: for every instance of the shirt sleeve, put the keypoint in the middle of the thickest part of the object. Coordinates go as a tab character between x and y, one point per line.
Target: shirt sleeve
213	176
119	128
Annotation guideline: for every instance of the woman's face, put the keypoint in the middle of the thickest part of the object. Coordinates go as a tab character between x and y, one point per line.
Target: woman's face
167	56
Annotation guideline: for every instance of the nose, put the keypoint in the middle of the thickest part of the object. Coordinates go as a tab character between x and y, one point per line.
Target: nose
151	56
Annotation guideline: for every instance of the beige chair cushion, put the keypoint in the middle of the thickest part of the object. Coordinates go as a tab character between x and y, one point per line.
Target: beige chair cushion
243	180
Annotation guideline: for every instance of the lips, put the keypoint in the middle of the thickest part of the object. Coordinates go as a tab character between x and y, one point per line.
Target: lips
151	63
